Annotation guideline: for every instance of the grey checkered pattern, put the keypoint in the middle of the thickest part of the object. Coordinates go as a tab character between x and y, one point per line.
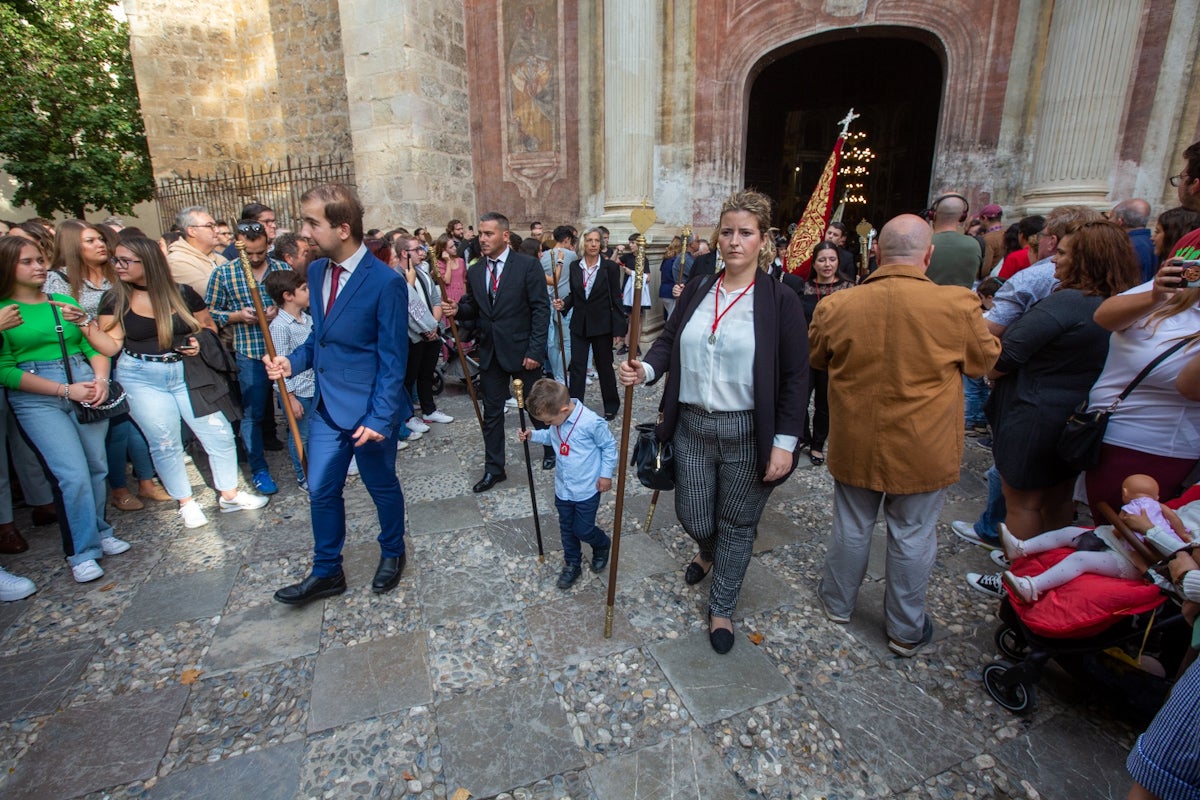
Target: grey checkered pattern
719	496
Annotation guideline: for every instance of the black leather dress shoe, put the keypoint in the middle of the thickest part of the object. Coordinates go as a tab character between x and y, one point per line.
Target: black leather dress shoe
570	573
600	557
311	588
489	480
387	575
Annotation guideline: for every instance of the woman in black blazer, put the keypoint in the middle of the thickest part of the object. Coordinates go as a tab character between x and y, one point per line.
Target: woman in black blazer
596	297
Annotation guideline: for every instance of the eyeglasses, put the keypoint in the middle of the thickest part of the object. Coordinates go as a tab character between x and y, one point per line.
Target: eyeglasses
124	262
414	249
250	227
1180	178
212	226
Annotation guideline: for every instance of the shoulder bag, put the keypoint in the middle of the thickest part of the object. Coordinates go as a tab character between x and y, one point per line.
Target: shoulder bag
117	402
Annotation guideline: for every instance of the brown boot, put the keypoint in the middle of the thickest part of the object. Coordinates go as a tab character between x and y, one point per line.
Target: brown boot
11	540
44	515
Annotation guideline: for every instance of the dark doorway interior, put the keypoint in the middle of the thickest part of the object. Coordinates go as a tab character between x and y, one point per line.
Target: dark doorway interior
795	105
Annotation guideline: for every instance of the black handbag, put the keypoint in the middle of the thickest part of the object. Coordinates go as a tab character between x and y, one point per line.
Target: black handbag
117	402
654	460
1081	438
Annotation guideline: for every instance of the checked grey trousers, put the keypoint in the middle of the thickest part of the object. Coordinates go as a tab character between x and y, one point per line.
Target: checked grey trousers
719	496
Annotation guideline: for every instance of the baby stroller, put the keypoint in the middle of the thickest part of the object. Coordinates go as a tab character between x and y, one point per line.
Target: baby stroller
449	366
1110	632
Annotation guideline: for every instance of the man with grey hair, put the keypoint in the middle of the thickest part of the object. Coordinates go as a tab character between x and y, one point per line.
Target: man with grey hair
898	342
1133	216
192	258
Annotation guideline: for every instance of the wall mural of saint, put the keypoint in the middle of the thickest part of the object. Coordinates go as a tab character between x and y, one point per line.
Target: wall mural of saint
532	72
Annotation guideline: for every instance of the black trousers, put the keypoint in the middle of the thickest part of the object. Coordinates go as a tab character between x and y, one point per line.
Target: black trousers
422	361
601	348
493	381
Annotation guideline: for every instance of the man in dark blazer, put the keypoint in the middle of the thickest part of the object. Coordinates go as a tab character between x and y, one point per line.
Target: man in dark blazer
358	350
506	295
596	298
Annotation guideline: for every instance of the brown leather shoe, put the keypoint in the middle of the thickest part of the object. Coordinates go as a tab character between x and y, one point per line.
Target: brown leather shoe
11	540
154	492
44	515
126	502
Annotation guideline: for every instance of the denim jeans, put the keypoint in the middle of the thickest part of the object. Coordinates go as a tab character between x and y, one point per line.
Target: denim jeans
126	443
73	452
158	400
256	387
975	393
577	523
29	470
306	405
988	524
553	358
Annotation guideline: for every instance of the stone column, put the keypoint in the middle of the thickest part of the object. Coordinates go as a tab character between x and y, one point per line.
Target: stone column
632	77
1089	58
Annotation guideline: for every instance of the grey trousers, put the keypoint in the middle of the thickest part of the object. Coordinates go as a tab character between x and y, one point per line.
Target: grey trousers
29	469
911	521
719	496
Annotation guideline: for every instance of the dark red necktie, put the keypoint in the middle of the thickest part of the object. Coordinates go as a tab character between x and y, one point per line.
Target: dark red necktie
334	280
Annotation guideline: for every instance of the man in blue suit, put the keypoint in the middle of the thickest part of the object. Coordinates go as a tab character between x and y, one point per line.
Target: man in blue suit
358	350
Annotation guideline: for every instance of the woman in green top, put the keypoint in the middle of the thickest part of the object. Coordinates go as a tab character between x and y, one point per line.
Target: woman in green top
31	366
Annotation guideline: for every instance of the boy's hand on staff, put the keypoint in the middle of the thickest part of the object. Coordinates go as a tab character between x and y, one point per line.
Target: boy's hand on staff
523	434
603	484
278	367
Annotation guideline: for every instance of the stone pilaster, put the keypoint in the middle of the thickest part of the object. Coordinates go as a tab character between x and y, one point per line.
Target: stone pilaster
1089	58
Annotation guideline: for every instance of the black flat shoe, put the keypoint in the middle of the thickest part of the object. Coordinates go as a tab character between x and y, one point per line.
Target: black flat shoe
695	573
489	480
600	557
549	462
570	573
720	638
387	575
311	588
816	458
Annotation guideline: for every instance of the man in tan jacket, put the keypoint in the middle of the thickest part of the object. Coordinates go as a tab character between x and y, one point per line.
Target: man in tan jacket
192	258
896	349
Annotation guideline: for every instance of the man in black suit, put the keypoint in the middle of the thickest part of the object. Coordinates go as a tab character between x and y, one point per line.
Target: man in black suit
506	295
596	297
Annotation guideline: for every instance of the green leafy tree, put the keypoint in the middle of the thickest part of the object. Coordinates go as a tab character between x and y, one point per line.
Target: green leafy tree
70	122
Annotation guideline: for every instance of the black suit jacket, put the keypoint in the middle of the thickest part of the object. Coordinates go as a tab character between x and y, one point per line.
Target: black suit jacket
601	313
704	265
512	326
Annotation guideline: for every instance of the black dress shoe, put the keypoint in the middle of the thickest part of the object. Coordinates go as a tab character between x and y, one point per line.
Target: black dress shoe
695	573
600	557
387	575
720	638
311	588
44	515
570	573
549	462
609	416
272	444
489	480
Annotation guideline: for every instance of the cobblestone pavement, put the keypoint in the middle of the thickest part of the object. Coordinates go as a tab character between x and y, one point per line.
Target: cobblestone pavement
177	676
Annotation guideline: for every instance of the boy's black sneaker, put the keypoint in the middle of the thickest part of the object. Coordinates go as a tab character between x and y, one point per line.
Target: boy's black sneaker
570	573
600	557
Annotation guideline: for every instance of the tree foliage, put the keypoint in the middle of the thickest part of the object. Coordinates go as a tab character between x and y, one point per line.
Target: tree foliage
70	122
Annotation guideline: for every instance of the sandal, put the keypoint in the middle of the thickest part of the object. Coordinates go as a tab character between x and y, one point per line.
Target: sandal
816	457
696	573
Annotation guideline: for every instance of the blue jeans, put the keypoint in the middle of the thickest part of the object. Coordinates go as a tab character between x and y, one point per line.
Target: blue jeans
73	452
553	358
975	393
306	405
252	377
158	400
125	442
988	524
577	523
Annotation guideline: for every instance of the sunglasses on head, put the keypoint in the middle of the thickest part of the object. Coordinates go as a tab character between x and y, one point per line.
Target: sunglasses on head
250	227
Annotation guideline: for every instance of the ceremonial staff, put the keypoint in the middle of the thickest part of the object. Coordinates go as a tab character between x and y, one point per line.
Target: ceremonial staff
436	272
265	327
642	219
519	391
866	233
553	281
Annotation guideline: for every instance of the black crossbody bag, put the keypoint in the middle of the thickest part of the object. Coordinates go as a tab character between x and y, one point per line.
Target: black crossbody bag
117	402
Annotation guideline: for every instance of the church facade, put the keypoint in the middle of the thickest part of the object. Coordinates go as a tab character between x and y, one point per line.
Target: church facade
570	110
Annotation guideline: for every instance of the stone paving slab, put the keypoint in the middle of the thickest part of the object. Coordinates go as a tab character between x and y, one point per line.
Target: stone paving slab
369	679
270	774
640	557
761	591
180	598
518	536
441	516
36	682
714	686
898	730
456	593
684	766
1068	759
263	635
108	743
507	736
571	629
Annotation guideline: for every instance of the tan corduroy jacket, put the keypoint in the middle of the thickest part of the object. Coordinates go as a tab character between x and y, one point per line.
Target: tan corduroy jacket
190	266
896	349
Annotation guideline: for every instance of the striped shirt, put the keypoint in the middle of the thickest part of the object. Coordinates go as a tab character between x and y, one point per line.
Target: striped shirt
228	292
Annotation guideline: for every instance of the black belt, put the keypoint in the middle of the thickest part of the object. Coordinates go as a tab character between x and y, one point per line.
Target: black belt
164	358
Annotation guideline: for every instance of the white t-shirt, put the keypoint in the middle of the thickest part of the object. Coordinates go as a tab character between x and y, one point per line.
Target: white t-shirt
1155	418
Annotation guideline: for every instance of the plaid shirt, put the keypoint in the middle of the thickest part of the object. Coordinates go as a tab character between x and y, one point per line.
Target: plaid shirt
228	292
288	333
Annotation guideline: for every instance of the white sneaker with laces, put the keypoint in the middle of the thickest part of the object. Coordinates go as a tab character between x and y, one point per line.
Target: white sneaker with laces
415	425
438	416
242	501
193	515
14	587
999	559
86	571
401	445
112	546
966	532
413	436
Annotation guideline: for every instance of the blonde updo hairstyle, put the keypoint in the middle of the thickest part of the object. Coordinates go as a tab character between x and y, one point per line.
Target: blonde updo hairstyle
759	205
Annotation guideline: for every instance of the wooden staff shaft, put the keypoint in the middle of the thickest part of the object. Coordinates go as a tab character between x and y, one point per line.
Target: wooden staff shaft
265	327
462	356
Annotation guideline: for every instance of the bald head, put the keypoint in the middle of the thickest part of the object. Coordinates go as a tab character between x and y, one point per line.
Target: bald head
905	240
1131	214
948	213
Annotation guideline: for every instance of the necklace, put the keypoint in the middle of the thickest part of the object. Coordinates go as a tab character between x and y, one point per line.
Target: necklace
717	312
563	447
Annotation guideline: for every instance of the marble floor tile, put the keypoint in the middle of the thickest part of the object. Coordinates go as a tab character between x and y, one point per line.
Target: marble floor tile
684	766
571	629
368	680
35	682
1068	757
518	537
162	603
270	774
263	635
438	516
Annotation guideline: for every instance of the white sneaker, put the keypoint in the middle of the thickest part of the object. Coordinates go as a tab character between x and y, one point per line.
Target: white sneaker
591	373
353	469
242	501
193	515
87	571
589	381
112	546
413	436
415	425
14	587
438	416
401	445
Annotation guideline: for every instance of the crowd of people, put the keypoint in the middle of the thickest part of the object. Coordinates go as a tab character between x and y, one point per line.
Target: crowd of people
120	352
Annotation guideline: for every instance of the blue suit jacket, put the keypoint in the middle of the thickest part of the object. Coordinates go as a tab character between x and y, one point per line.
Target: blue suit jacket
360	352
